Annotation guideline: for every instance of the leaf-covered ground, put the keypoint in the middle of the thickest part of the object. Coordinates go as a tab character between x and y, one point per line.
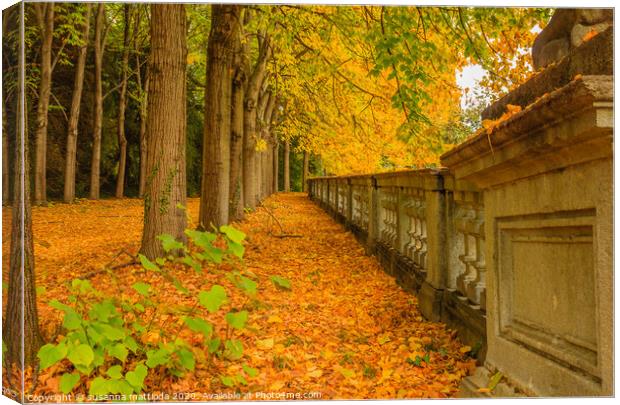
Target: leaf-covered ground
345	330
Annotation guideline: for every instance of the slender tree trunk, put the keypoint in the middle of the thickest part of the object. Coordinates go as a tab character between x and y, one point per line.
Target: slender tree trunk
7	17
122	139
45	15
276	166
216	144
166	129
5	154
269	138
143	102
287	173
305	170
250	134
236	145
74	114
21	333
98	116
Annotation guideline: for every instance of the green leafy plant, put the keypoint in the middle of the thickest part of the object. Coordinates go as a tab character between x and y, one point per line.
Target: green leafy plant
108	348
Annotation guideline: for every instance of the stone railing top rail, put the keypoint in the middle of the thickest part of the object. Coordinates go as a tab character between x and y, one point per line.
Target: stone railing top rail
526	140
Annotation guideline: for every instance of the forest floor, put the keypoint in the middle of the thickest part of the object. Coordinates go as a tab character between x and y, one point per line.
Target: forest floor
345	330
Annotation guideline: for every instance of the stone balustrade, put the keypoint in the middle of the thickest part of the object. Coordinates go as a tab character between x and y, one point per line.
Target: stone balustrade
411	220
511	243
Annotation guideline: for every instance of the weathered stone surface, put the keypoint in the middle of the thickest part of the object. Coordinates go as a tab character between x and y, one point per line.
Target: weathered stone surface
590	16
547	181
580	32
594	57
567	24
554	50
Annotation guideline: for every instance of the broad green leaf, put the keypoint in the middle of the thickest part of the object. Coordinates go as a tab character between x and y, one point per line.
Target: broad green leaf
233	234
213	254
281	282
157	357
169	243
213	299
118	350
72	320
98	386
103	311
201	239
111	332
142	288
234	349
147	264
188	260
248	285
81	355
131	344
186	358
83	286
237	320
60	306
119	387
68	382
252	372
236	249
227	381
240	378
115	372
199	325
136	377
214	345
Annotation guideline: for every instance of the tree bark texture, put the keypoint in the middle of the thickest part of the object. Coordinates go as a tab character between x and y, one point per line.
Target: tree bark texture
287	173
143	140
99	46
166	187
215	190
236	144
122	102
45	17
305	171
250	135
74	113
21	333
276	166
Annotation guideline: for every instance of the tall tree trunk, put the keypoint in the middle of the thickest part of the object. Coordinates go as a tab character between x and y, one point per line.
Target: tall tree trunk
21	333
45	17
143	139
236	145
287	173
7	18
268	115
276	166
122	139
98	116
5	154
74	114
143	102
215	192
250	134
166	129
305	171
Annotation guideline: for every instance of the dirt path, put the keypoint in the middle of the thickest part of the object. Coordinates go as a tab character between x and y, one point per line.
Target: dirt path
345	330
